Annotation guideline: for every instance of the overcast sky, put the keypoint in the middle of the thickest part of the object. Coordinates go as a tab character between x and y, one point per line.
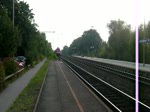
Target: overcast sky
70	18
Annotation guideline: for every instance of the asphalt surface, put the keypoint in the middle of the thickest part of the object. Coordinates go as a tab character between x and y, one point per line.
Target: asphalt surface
64	92
8	96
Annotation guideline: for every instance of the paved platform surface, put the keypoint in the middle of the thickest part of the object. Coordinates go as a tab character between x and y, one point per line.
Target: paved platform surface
8	96
64	92
119	63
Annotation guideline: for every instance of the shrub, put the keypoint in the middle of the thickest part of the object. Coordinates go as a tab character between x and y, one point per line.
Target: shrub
2	76
40	57
54	56
2	72
10	66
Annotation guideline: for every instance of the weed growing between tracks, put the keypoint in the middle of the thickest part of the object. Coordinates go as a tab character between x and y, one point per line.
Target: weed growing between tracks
26	100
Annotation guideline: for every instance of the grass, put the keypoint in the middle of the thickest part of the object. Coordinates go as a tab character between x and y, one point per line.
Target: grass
26	100
14	78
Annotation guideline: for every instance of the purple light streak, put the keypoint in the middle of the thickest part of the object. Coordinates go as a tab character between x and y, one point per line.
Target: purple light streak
137	55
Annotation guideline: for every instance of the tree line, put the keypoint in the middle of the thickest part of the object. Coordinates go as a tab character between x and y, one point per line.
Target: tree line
21	38
120	44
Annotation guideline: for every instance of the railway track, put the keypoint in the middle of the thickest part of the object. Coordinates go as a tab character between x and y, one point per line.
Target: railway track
119	77
144	77
118	100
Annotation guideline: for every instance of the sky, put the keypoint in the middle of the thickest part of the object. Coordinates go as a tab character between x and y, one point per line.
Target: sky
70	18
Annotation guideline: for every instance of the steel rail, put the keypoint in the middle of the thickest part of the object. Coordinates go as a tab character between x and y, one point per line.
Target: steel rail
106	84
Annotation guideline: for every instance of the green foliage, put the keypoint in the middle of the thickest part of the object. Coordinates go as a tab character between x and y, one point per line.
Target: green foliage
118	41
103	50
2	72
22	39
26	100
2	76
87	45
54	56
9	35
120	44
144	34
132	47
10	66
65	50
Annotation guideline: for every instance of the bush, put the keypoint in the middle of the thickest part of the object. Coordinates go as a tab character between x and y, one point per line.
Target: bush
40	57
2	72
10	66
2	76
54	56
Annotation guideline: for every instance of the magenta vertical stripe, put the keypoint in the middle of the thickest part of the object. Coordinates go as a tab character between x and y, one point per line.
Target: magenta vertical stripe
137	55
137	70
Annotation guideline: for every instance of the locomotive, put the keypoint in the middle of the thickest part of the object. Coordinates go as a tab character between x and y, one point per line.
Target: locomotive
57	51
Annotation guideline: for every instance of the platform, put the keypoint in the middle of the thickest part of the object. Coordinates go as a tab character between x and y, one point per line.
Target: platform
119	63
63	91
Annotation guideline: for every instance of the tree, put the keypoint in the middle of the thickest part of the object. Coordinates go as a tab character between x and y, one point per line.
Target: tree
88	44
147	46
10	37
23	38
75	47
144	33
118	41
132	47
65	50
103	53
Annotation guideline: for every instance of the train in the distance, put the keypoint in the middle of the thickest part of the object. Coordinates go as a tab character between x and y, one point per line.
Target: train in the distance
57	51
